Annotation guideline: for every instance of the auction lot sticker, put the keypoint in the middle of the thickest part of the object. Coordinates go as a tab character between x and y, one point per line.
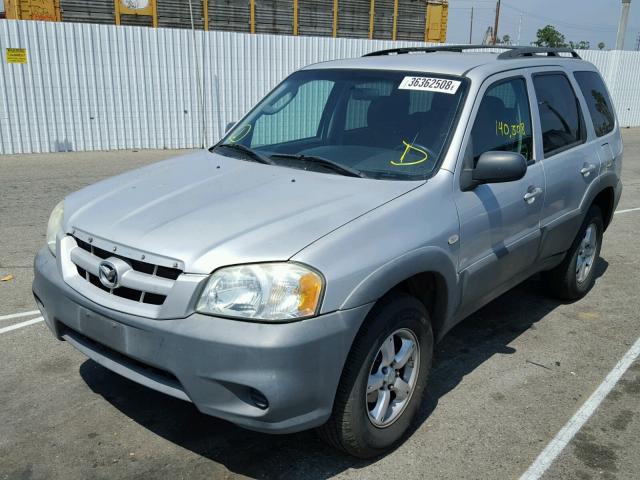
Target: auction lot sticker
16	55
429	84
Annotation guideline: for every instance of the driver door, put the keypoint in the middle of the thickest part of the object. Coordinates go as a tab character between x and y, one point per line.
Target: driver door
499	222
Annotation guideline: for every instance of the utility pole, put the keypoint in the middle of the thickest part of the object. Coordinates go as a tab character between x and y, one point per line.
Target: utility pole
495	27
519	29
622	26
471	29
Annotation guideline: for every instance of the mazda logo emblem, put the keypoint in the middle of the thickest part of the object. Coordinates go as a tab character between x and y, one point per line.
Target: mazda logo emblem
108	274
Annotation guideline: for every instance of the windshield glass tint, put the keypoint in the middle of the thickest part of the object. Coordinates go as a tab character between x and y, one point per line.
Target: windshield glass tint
381	123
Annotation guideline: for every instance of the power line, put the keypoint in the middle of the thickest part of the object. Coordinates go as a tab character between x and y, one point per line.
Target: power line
583	27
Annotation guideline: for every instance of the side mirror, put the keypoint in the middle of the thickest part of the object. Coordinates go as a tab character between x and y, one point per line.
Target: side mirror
499	167
229	126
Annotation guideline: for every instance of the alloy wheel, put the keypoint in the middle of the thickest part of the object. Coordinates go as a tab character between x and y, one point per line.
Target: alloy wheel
392	377
586	253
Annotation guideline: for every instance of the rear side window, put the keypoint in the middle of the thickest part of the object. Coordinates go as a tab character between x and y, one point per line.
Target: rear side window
595	93
560	116
503	121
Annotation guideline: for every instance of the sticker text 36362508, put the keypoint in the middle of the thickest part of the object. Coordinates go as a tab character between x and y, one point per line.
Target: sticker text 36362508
429	84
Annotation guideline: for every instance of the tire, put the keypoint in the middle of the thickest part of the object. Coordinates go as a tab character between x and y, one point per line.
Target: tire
565	281
351	428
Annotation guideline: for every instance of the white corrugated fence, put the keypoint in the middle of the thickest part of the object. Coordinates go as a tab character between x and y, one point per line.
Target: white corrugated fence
102	87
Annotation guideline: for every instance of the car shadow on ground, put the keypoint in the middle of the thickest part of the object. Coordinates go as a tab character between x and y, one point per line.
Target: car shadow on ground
484	334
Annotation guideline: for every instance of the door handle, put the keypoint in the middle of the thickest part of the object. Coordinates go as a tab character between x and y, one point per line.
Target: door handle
532	194
587	169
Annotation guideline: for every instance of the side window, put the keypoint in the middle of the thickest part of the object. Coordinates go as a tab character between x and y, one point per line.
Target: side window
296	115
560	115
598	101
503	121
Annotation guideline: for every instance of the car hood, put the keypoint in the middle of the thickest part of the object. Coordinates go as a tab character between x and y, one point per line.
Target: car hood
206	210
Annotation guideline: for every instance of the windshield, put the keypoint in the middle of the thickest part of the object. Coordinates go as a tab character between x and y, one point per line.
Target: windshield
379	124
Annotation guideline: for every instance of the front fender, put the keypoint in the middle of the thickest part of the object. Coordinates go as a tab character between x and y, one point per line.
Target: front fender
366	258
384	278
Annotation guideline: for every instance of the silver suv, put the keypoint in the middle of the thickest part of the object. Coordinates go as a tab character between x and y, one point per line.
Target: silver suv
298	273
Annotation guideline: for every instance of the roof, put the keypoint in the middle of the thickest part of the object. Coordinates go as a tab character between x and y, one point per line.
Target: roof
451	63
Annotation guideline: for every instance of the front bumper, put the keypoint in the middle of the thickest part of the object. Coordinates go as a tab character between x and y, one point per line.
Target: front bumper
220	365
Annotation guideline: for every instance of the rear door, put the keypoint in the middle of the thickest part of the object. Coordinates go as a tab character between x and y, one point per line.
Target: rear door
499	222
601	114
571	162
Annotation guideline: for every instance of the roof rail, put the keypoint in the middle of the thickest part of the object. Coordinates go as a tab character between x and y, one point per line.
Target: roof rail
510	53
439	48
528	52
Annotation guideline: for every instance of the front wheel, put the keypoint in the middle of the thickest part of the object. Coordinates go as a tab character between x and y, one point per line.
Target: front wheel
574	277
383	380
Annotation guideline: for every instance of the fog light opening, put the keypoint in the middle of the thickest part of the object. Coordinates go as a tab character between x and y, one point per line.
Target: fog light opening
258	399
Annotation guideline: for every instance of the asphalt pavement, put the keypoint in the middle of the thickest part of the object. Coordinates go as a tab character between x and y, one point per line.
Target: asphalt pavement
505	381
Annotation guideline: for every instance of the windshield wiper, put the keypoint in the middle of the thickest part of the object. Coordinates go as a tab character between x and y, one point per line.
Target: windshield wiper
325	162
258	157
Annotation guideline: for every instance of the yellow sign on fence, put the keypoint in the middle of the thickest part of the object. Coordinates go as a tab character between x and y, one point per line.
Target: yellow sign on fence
16	55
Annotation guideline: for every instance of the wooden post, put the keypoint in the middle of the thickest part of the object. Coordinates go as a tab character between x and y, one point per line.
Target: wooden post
205	14
335	18
252	15
394	32
295	17
117	11
372	13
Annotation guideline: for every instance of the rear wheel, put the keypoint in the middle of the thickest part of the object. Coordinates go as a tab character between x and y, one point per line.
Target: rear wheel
574	277
383	379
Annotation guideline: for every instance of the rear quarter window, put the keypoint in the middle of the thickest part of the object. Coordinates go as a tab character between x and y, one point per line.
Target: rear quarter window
598	101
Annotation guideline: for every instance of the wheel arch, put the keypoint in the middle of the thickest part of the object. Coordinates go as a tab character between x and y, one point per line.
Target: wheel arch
605	200
427	273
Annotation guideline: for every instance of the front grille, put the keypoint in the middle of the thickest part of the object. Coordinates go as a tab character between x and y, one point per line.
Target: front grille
139	266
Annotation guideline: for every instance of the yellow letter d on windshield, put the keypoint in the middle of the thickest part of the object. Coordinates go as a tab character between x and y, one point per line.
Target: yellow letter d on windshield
408	147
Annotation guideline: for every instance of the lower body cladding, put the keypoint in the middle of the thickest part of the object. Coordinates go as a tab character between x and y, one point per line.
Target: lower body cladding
276	378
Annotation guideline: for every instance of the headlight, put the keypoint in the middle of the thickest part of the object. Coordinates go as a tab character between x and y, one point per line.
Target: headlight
263	291
54	226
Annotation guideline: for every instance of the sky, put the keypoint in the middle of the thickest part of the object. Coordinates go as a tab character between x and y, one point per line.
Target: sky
591	20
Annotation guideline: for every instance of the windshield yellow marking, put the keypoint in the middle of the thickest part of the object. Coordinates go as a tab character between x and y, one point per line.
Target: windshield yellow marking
409	146
243	132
